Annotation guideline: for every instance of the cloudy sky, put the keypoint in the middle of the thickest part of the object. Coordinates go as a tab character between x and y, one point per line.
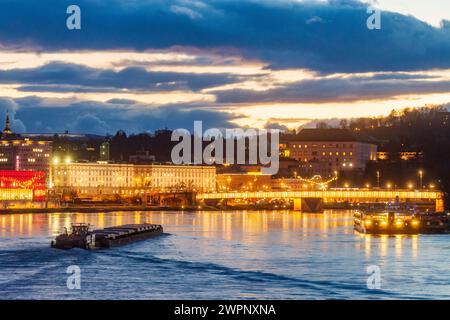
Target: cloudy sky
140	65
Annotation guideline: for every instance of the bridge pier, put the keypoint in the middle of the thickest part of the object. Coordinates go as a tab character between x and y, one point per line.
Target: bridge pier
298	204
308	204
440	205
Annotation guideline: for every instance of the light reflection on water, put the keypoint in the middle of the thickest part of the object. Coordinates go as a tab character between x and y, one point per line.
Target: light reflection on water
245	254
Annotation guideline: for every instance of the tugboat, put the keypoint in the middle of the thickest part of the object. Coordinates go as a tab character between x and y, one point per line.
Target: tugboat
390	223
82	237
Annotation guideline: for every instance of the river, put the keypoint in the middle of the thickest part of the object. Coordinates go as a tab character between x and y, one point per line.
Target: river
223	255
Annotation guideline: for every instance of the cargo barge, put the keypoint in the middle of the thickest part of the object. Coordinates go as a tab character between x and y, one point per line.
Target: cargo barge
393	223
82	237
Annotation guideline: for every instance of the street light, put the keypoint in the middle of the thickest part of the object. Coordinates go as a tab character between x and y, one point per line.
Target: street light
421	178
378	179
336	175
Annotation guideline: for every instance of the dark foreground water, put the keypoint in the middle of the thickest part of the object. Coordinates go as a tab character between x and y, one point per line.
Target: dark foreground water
222	255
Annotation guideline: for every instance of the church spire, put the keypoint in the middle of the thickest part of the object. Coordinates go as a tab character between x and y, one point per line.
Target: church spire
7	129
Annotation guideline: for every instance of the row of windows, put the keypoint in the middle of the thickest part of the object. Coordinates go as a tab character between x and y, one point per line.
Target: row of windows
314	146
314	153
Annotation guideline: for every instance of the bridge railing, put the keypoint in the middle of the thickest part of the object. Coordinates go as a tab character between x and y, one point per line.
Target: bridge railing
335	194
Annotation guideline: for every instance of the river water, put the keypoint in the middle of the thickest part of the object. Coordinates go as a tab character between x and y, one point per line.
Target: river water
223	255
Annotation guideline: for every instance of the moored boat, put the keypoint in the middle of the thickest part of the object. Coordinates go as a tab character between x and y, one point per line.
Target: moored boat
390	223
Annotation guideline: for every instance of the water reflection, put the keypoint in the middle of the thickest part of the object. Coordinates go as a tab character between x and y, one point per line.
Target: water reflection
227	225
281	248
247	221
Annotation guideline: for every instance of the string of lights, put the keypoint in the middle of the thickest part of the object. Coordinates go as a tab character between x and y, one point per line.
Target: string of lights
317	180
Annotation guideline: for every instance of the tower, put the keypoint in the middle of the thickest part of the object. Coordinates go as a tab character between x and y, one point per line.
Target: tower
104	151
7	130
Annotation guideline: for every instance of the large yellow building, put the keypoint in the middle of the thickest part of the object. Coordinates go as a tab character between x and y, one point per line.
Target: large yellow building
102	178
330	150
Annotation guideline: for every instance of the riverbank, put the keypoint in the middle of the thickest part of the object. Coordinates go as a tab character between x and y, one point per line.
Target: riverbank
98	209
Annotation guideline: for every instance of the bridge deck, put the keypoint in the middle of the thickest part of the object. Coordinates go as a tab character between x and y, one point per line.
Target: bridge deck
332	194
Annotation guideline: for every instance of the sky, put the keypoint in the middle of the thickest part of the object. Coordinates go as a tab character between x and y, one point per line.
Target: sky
141	65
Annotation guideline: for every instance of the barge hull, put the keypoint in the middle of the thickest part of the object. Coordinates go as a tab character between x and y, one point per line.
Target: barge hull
109	243
82	237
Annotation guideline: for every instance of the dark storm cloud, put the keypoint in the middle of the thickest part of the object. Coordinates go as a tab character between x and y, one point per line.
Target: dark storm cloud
324	36
103	118
8	105
197	58
348	89
66	77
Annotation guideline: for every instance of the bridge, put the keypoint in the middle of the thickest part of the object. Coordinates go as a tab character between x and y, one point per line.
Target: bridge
310	199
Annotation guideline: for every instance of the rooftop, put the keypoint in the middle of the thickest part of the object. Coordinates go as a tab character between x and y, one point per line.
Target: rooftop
330	135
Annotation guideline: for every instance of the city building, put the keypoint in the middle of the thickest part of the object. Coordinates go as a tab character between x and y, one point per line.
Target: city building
402	155
288	184
314	167
383	155
23	154
251	181
338	149
22	185
103	178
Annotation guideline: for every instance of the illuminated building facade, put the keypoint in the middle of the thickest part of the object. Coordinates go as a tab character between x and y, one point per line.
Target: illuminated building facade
25	155
403	155
22	185
288	184
102	178
250	181
175	177
338	149
21	154
312	168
